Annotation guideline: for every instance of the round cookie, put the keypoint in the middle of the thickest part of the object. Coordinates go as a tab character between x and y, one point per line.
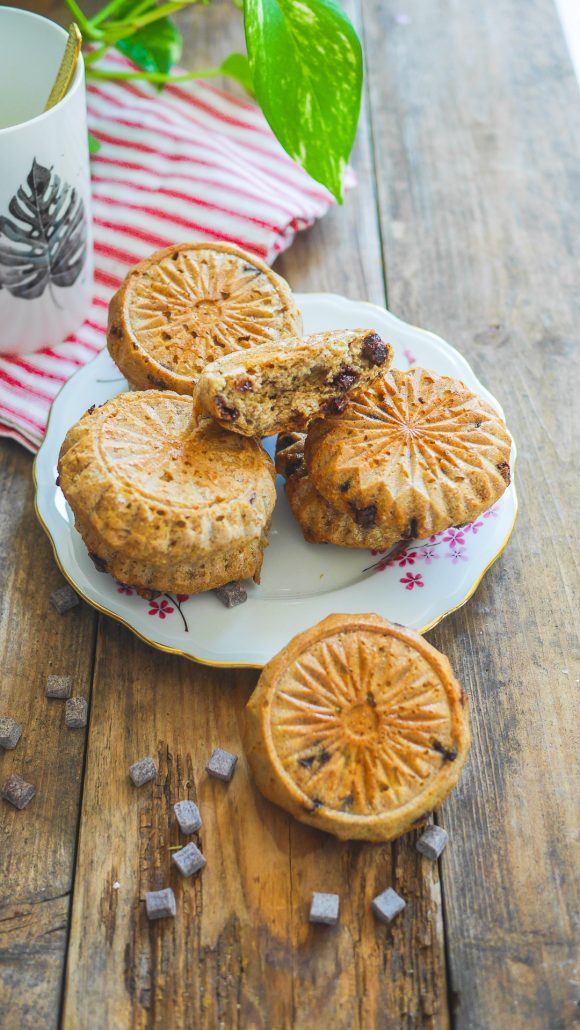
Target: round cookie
416	452
164	502
189	304
358	727
320	522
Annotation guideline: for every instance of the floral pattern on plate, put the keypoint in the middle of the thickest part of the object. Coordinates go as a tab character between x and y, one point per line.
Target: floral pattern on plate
451	544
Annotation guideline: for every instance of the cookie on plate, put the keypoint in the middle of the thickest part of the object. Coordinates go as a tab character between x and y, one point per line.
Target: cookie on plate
188	305
284	385
165	503
320	522
358	727
416	452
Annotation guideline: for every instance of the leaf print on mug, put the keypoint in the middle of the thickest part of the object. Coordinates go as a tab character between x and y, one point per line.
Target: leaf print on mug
44	244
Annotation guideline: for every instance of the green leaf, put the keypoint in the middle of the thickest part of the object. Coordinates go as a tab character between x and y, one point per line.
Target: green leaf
94	144
237	67
155	47
306	64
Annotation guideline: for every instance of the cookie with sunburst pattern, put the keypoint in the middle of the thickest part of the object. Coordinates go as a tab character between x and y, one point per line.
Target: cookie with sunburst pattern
416	452
190	304
319	520
164	502
358	727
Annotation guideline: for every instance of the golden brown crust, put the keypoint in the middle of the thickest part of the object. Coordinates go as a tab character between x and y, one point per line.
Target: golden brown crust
185	577
154	490
283	385
416	452
323	524
189	304
358	727
320	522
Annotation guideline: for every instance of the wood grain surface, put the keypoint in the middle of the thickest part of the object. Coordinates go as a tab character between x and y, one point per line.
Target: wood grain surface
467	212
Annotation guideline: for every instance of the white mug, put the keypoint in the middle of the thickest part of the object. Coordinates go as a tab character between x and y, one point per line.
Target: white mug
46	266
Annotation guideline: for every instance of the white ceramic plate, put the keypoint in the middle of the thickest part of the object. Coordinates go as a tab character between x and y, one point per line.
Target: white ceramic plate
301	583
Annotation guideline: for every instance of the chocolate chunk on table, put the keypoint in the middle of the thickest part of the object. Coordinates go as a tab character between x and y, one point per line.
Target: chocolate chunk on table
433	842
76	713
160	904
388	905
17	791
64	599
189	860
10	732
324	908
59	686
188	816
222	764
143	771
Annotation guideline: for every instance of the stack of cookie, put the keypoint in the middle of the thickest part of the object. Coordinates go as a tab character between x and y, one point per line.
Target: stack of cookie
163	502
171	488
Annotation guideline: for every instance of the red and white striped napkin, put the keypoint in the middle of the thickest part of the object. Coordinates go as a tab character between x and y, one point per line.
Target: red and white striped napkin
190	163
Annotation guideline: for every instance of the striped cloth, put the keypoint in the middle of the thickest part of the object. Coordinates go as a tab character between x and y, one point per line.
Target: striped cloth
191	163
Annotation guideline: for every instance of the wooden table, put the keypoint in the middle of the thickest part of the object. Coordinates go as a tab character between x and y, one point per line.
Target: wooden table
467	218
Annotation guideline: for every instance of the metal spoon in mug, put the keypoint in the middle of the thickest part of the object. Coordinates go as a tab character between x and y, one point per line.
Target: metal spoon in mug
65	73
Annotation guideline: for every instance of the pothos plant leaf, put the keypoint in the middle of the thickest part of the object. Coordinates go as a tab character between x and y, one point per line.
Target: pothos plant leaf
45	241
306	64
237	67
155	47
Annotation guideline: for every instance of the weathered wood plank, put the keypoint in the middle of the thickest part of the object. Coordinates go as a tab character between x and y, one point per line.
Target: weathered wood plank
38	843
476	128
240	952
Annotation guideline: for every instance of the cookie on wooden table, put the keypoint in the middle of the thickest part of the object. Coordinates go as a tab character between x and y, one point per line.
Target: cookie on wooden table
188	305
165	503
284	385
416	452
320	522
358	727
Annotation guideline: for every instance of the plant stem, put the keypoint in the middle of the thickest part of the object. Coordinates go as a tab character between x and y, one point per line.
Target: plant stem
143	6
95	55
106	11
85	26
200	73
133	24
